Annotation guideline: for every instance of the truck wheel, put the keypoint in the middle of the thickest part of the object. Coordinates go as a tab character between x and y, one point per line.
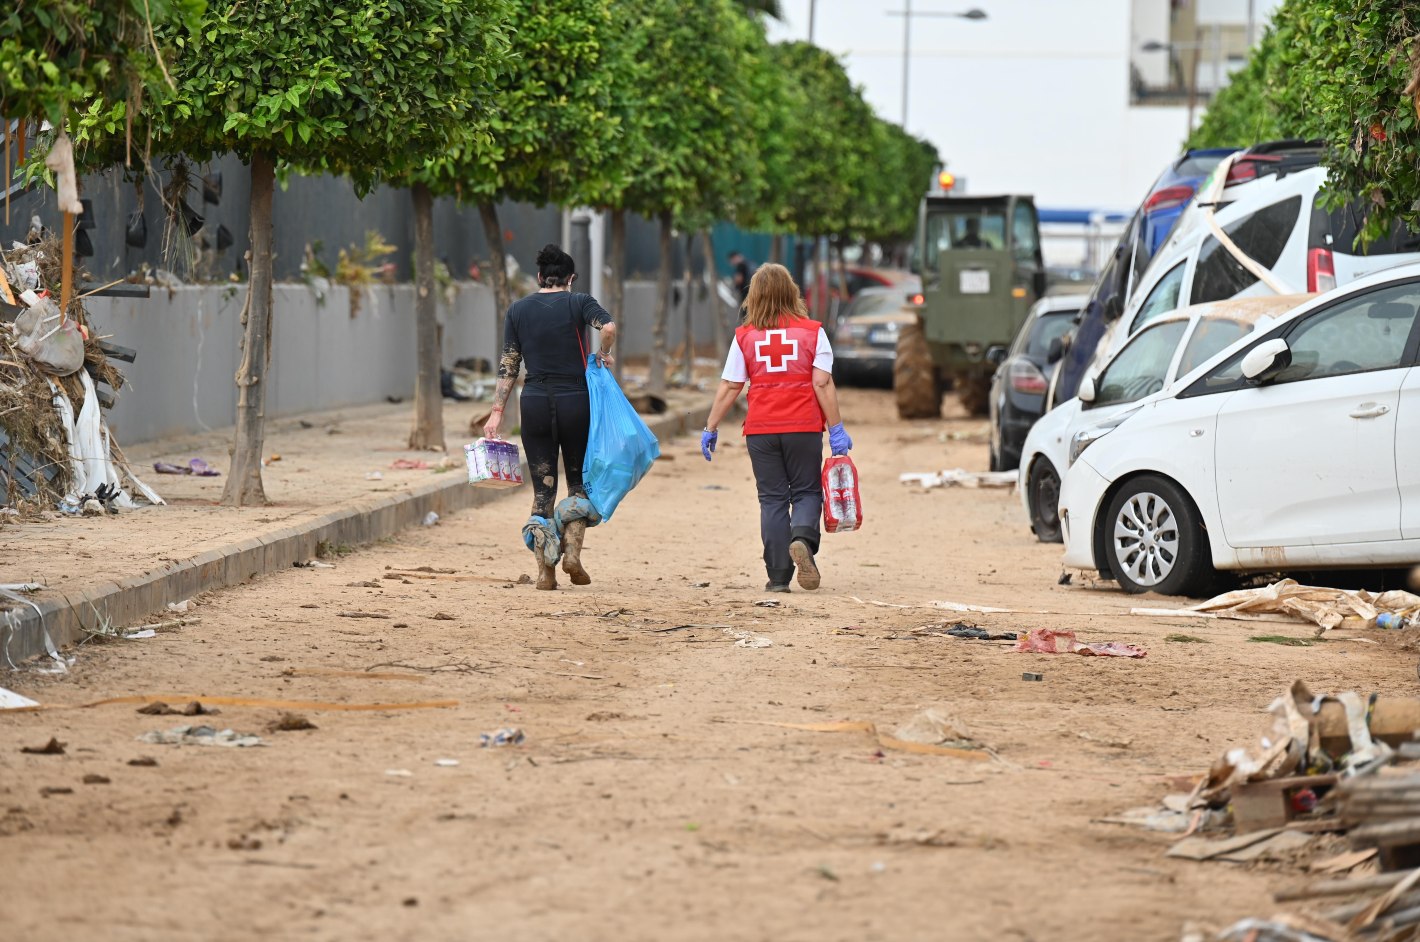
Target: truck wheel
974	392
914	380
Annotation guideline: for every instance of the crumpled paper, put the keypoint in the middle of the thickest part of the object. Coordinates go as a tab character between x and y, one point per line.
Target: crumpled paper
1324	607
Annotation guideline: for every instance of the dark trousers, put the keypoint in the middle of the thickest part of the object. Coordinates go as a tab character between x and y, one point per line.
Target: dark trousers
788	471
552	424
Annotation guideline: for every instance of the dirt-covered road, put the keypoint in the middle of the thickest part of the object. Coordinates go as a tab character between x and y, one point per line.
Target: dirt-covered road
654	796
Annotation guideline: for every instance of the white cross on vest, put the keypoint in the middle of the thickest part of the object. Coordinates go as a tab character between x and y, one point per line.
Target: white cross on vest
776	345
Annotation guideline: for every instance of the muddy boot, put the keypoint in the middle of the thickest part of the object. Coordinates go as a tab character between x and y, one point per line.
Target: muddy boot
572	536
803	559
546	575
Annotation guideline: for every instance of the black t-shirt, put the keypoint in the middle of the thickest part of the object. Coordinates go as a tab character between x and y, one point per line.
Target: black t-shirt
542	330
742	275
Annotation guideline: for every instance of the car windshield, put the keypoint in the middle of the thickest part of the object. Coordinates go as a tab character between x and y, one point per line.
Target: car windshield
874	302
1211	337
1046	328
1140	368
966	228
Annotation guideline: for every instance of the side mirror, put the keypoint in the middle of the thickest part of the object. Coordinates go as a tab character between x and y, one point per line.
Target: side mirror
996	355
1086	392
1056	351
1266	360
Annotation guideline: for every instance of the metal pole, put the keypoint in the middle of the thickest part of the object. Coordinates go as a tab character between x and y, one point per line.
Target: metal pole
1193	77
1251	22
813	7
906	54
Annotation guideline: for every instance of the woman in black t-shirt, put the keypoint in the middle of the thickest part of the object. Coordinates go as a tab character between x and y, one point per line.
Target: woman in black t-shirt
546	332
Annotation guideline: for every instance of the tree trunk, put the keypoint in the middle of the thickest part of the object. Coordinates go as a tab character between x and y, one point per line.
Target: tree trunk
616	284
503	298
502	291
244	476
776	249
656	384
717	309
428	432
688	363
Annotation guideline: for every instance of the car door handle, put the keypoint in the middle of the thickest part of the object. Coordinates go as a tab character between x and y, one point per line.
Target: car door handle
1369	410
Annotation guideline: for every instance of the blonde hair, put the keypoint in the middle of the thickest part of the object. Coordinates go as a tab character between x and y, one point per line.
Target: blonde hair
773	296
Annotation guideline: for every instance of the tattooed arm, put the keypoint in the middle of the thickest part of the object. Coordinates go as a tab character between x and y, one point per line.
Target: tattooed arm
508	366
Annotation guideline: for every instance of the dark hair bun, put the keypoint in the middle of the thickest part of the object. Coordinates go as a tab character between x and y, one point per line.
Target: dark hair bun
555	266
551	254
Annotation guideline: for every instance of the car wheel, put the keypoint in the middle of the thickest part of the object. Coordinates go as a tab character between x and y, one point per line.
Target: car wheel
1043	492
914	379
1155	539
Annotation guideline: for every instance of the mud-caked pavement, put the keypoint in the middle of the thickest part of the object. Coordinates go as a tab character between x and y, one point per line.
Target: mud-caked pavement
662	790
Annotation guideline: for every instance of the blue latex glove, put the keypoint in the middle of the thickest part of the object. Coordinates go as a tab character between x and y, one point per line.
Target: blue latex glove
838	440
707	443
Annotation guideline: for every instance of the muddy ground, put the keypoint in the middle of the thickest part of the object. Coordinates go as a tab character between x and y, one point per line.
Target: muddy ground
653	798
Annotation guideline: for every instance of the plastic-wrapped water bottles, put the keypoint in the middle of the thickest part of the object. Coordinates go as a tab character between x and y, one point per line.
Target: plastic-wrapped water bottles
842	503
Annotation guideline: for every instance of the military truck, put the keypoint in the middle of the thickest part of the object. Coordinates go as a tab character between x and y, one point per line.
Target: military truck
981	267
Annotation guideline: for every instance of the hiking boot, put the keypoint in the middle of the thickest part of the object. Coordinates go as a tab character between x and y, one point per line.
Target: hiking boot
804	562
772	586
572	552
546	575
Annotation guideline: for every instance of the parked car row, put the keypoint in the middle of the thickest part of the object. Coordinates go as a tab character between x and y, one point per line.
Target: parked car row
1227	396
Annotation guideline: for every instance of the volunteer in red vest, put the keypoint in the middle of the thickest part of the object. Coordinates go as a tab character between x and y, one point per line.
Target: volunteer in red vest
788	363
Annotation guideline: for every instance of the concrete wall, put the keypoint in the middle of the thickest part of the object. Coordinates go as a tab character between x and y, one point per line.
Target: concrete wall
323	357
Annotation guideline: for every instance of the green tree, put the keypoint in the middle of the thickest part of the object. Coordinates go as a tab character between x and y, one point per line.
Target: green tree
343	87
697	163
1346	73
552	133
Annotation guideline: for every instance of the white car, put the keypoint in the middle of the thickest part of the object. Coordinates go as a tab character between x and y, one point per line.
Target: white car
1172	346
1283	452
1271	207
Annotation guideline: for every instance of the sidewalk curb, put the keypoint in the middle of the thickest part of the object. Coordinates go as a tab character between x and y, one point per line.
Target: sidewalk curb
127	600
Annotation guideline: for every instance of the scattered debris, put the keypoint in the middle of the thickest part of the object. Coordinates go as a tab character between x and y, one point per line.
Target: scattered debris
1185	639
700	585
52	748
1284	640
196	467
961	477
48	790
290	722
446	763
1048	641
747	639
244	843
1287	600
9	700
199	736
507	736
143	762
1030	675
431	518
362	615
399	773
159	708
884	741
963	630
1065	579
769	603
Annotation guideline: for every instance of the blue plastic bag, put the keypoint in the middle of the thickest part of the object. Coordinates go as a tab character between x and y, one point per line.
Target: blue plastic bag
620	448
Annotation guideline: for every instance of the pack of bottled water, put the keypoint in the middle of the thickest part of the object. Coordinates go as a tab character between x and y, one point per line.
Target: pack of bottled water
493	463
842	503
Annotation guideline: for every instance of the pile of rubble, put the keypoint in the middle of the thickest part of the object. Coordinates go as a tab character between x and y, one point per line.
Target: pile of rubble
1335	781
56	378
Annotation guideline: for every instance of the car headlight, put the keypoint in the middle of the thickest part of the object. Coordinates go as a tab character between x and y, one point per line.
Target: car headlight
1085	437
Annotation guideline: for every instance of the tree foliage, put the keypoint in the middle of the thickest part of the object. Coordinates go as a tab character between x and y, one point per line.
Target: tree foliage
57	53
1343	72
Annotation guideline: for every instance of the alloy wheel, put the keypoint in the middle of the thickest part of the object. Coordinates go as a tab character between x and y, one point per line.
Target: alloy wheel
1146	538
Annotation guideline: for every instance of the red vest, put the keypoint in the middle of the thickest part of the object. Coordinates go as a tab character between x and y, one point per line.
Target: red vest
780	363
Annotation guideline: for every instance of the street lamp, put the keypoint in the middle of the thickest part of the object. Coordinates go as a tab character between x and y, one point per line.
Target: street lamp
907	14
1197	47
